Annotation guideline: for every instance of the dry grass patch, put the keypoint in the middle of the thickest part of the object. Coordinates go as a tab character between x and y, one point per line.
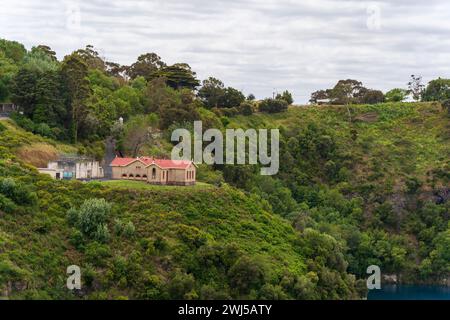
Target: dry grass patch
37	154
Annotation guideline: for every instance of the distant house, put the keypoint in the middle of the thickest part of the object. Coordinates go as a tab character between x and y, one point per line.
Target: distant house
154	171
73	168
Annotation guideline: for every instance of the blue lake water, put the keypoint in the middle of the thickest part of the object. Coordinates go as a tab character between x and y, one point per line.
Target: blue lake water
410	292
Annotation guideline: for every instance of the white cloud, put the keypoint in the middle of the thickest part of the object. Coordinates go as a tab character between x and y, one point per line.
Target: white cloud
253	45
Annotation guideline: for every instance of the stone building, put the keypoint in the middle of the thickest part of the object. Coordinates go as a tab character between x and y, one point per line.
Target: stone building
154	171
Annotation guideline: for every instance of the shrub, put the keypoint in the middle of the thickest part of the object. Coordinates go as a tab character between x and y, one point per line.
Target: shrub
19	193
129	230
446	105
23	122
6	205
192	236
96	253
230	112
273	105
246	274
373	97
9	272
77	239
286	96
246	108
396	95
271	292
181	285
225	121
102	233
209	175
126	229
153	287
44	130
90	219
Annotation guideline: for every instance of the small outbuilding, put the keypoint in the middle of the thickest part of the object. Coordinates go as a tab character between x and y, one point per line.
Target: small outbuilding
73	168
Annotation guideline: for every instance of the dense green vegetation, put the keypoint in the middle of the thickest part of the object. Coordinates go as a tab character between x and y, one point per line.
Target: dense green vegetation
155	243
374	177
361	182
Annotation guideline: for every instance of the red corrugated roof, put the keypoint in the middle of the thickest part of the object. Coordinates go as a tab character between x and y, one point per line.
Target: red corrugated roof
163	163
117	162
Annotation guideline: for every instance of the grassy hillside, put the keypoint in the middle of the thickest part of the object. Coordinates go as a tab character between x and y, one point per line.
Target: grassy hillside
353	190
410	138
154	243
376	177
30	148
138	185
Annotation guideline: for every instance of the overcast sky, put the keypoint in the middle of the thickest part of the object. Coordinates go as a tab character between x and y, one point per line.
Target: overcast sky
257	46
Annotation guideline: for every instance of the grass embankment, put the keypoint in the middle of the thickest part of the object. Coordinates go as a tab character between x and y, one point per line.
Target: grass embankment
180	242
142	185
390	163
407	138
30	148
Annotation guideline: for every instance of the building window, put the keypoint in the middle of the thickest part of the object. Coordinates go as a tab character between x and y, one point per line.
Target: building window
154	173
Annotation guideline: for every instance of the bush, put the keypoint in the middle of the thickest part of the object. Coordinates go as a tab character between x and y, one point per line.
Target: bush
446	105
396	95
23	122
126	229
77	239
230	112
17	192
91	218
102	233
225	121
153	288
6	205
44	130
286	96
273	105
246	274
246	108
192	236
181	285
373	97
97	253
207	174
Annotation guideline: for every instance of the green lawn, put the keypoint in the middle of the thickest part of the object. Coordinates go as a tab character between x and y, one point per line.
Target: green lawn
142	185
